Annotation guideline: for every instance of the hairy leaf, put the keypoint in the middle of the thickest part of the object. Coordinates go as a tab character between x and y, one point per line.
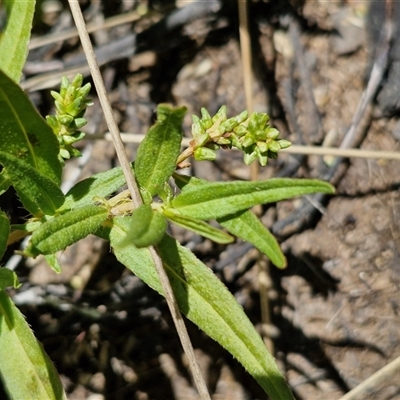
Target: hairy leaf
205	301
15	39
218	199
8	278
37	192
147	227
24	133
157	154
25	369
245	225
61	231
100	185
4	232
4	183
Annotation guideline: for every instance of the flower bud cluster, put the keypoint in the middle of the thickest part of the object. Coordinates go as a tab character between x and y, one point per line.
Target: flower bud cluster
70	105
253	135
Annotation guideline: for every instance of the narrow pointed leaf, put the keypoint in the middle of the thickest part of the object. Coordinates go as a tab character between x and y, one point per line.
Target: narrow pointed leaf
53	262
24	133
99	185
218	199
198	226
205	301
4	183
245	225
37	191
8	278
4	232
14	40
158	152
25	368
63	230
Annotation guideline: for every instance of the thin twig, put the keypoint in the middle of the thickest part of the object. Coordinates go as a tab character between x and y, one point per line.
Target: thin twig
135	195
370	384
293	149
91	27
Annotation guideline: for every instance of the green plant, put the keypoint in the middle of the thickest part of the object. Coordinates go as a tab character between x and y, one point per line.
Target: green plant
32	153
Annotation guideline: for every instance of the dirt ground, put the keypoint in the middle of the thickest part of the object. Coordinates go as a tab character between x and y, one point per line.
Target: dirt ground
335	310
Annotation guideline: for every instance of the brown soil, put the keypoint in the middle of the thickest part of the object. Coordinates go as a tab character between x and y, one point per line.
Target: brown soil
335	310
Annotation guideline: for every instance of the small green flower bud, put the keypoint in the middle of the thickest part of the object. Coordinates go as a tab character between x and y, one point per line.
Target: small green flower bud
204	153
64	86
64	154
249	158
262	159
284	143
74	152
257	121
262	146
206	118
66	119
78	135
240	130
54	123
272	133
260	135
248	140
77	82
223	141
84	90
235	141
202	140
242	117
57	96
60	107
197	127
274	146
70	95
221	129
68	140
229	124
220	115
79	123
75	107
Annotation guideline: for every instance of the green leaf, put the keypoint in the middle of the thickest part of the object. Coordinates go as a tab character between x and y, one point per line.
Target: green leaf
24	133
53	262
158	152
61	231
218	199
4	183
14	40
100	185
204	300
37	192
4	232
147	227
8	278
199	227
245	225
25	368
